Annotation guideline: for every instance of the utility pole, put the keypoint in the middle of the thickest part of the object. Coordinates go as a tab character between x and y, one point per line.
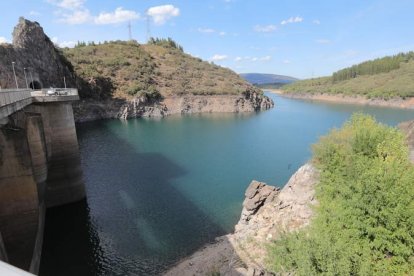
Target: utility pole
25	77
14	73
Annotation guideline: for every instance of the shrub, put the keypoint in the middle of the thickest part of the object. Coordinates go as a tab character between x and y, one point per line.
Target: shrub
364	223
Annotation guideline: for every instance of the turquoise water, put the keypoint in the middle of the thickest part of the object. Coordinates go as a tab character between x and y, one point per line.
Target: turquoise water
158	189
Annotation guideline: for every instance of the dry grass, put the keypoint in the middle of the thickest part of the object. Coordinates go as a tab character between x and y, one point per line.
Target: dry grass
128	69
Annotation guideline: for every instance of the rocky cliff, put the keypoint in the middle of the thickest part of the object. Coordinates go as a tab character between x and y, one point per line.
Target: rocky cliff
36	60
267	212
89	110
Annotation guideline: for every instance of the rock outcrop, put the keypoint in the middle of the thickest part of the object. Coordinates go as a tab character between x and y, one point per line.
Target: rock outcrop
267	213
90	110
35	58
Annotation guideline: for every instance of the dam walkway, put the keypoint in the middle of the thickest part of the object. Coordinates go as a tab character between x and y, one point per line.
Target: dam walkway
12	100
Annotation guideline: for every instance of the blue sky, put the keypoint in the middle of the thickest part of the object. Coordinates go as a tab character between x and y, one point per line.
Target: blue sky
299	38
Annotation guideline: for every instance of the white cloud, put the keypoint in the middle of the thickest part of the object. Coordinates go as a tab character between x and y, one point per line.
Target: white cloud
316	21
296	19
237	59
77	13
286	61
218	57
206	30
3	40
222	33
265	29
117	16
323	41
63	44
160	14
76	17
69	44
68	4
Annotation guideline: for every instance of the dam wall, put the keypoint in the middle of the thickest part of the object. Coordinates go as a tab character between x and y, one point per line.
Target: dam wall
64	181
39	168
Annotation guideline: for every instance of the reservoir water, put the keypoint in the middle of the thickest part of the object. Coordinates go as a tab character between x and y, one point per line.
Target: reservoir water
158	189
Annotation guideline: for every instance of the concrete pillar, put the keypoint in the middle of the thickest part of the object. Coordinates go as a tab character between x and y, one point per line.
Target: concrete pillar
3	252
19	205
64	180
38	154
38	151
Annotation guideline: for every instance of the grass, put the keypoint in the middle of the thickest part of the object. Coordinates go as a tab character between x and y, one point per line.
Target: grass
128	69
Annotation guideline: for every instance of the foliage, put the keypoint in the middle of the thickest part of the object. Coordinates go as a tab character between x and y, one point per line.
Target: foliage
158	69
373	67
389	77
364	223
165	42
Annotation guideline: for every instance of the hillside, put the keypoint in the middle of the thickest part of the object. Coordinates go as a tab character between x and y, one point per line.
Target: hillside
127	69
388	77
262	79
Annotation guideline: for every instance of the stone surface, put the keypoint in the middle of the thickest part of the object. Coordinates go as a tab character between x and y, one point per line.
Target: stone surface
33	50
267	212
89	110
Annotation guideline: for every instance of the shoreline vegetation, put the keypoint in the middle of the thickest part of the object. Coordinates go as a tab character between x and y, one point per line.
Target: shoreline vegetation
387	81
363	222
407	103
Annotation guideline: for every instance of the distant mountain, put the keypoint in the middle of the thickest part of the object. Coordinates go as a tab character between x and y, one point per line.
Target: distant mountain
259	79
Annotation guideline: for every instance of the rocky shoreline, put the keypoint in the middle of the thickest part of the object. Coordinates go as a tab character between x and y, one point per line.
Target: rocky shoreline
267	212
360	100
90	110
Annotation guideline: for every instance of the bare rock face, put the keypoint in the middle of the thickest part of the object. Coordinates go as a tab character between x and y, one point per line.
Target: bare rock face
33	50
189	104
273	212
256	196
267	213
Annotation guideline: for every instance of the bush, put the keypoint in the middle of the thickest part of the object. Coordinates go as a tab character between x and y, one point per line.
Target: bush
364	223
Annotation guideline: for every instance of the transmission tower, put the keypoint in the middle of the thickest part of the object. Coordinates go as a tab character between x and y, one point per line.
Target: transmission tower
129	30
148	27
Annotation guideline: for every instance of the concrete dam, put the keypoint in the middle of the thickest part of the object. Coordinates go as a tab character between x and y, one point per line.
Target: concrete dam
39	168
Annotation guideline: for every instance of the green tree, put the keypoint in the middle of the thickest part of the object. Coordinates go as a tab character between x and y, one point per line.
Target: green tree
364	222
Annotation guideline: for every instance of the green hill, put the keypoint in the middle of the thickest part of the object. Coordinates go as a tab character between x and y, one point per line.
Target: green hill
387	77
160	68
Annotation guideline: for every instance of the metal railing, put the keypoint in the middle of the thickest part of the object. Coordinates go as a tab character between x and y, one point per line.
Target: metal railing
55	92
10	96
